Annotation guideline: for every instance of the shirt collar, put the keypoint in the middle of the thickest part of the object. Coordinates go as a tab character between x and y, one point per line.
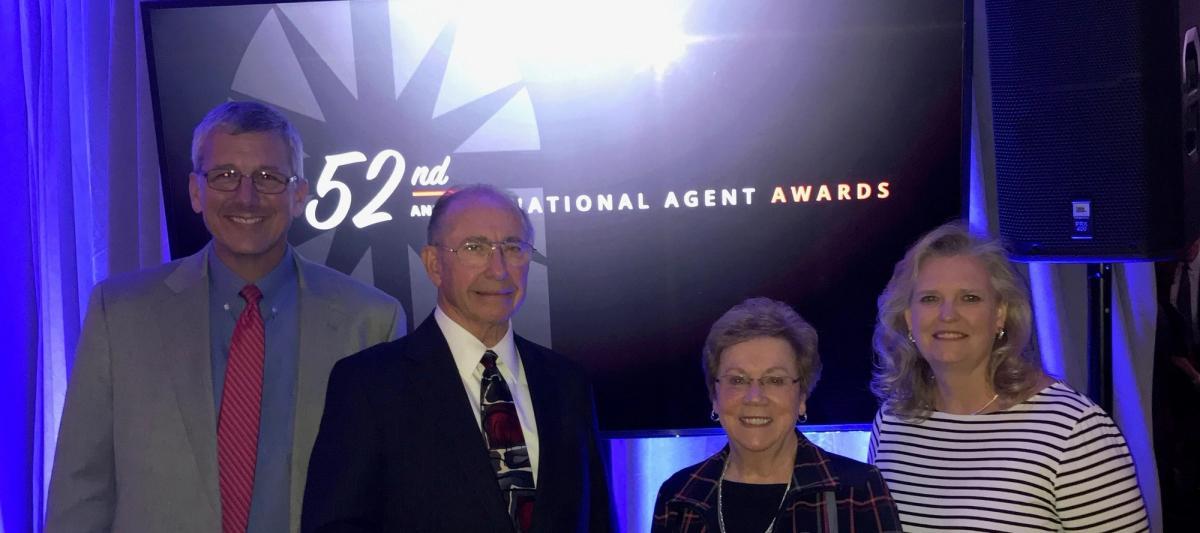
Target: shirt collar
468	350
225	282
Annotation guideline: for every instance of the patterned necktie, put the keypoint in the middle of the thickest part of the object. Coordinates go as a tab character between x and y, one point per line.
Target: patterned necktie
237	425
1183	300
506	444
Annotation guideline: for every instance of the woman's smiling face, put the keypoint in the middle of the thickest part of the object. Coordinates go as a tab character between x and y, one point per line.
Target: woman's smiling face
954	313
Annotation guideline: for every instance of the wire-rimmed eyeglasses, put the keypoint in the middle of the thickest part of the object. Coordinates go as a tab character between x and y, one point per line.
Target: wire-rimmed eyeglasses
265	181
477	253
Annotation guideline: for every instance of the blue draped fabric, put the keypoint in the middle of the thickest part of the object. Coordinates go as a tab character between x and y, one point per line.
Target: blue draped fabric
18	343
83	202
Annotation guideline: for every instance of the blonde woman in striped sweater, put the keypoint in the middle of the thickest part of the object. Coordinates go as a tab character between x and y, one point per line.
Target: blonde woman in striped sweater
972	434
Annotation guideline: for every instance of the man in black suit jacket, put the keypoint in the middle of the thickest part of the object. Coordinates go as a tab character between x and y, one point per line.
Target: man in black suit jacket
401	446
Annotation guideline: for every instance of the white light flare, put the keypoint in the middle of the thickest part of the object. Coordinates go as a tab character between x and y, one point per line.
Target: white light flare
581	39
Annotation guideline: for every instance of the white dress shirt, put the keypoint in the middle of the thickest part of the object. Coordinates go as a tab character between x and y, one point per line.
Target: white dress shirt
468	352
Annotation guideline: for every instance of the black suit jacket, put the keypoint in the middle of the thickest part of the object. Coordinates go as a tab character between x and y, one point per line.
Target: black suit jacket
399	450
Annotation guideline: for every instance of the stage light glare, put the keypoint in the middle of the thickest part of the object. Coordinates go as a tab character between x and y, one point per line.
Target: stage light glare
666	49
587	38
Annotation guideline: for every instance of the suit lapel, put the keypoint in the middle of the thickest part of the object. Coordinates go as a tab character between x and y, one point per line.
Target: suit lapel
543	389
460	441
186	340
321	344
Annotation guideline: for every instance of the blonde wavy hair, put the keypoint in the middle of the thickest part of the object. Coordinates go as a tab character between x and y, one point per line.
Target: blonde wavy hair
903	381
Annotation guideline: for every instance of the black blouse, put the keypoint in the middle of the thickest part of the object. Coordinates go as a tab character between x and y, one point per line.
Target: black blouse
749	508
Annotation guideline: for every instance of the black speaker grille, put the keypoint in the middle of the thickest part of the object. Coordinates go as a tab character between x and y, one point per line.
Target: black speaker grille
1071	117
1063	42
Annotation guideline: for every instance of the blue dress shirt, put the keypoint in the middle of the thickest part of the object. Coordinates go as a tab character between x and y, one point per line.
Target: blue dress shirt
280	310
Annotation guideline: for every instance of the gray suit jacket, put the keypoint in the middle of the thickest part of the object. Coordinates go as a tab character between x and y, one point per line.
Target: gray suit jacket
137	449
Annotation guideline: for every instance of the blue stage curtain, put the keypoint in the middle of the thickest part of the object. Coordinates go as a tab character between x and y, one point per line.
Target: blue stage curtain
80	177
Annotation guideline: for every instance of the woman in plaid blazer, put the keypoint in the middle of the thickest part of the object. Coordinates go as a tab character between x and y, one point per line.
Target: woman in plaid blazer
760	361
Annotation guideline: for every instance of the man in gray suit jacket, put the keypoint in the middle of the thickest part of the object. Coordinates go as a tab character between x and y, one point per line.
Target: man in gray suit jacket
198	385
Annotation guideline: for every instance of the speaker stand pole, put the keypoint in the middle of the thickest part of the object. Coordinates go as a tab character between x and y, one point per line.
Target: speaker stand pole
1099	347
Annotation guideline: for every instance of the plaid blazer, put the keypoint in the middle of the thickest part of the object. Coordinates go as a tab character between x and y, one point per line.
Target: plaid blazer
822	483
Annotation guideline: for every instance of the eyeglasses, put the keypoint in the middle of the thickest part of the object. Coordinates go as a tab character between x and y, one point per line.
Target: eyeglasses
265	181
479	253
767	384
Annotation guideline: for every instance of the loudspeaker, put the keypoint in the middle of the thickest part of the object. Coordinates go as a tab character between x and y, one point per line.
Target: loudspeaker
1095	106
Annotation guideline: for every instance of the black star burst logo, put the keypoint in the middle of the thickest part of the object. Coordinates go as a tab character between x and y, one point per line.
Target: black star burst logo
376	120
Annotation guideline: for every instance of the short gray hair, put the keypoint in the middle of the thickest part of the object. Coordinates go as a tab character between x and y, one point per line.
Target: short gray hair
236	118
763	317
473	190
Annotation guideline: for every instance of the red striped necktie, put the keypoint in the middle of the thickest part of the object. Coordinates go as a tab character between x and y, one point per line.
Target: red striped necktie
237	425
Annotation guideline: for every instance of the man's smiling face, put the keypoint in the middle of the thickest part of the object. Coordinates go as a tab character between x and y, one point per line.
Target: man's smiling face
249	228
